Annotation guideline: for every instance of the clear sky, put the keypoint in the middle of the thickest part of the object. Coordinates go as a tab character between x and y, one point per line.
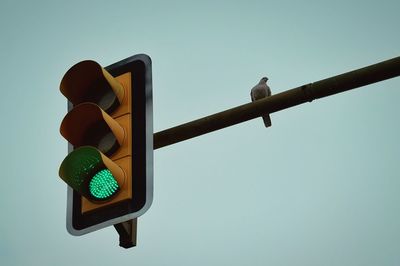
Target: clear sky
321	187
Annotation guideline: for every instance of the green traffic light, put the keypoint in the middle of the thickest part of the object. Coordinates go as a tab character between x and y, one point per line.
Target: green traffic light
103	185
85	171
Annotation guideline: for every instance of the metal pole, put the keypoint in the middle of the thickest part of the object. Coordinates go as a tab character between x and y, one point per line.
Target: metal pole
127	232
306	93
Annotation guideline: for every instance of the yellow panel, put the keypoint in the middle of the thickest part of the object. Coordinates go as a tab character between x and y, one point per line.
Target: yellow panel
123	156
125	106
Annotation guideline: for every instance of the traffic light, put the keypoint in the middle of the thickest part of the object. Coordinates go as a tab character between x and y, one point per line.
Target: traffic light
109	168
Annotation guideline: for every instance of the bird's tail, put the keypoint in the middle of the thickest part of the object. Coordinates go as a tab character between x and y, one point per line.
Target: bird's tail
267	120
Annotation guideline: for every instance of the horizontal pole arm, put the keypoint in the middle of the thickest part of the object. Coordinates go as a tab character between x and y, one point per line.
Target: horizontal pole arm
306	93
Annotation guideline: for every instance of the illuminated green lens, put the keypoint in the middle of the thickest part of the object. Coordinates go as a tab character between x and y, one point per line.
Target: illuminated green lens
103	185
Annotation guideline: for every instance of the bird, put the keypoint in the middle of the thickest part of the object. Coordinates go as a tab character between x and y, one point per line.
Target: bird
260	91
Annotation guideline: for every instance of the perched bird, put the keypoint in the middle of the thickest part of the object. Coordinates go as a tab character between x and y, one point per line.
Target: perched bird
261	90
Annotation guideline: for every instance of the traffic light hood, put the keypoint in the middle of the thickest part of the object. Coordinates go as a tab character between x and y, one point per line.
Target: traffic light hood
92	174
88	124
87	81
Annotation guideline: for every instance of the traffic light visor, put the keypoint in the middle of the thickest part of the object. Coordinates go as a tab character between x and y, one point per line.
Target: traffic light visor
92	174
87	81
88	124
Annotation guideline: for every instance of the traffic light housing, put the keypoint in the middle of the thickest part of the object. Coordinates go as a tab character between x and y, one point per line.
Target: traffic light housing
109	168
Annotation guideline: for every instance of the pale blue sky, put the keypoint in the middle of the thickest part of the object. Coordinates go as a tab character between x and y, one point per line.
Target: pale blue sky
321	187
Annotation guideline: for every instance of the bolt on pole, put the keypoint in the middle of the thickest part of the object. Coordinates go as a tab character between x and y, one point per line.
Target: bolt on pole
306	93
